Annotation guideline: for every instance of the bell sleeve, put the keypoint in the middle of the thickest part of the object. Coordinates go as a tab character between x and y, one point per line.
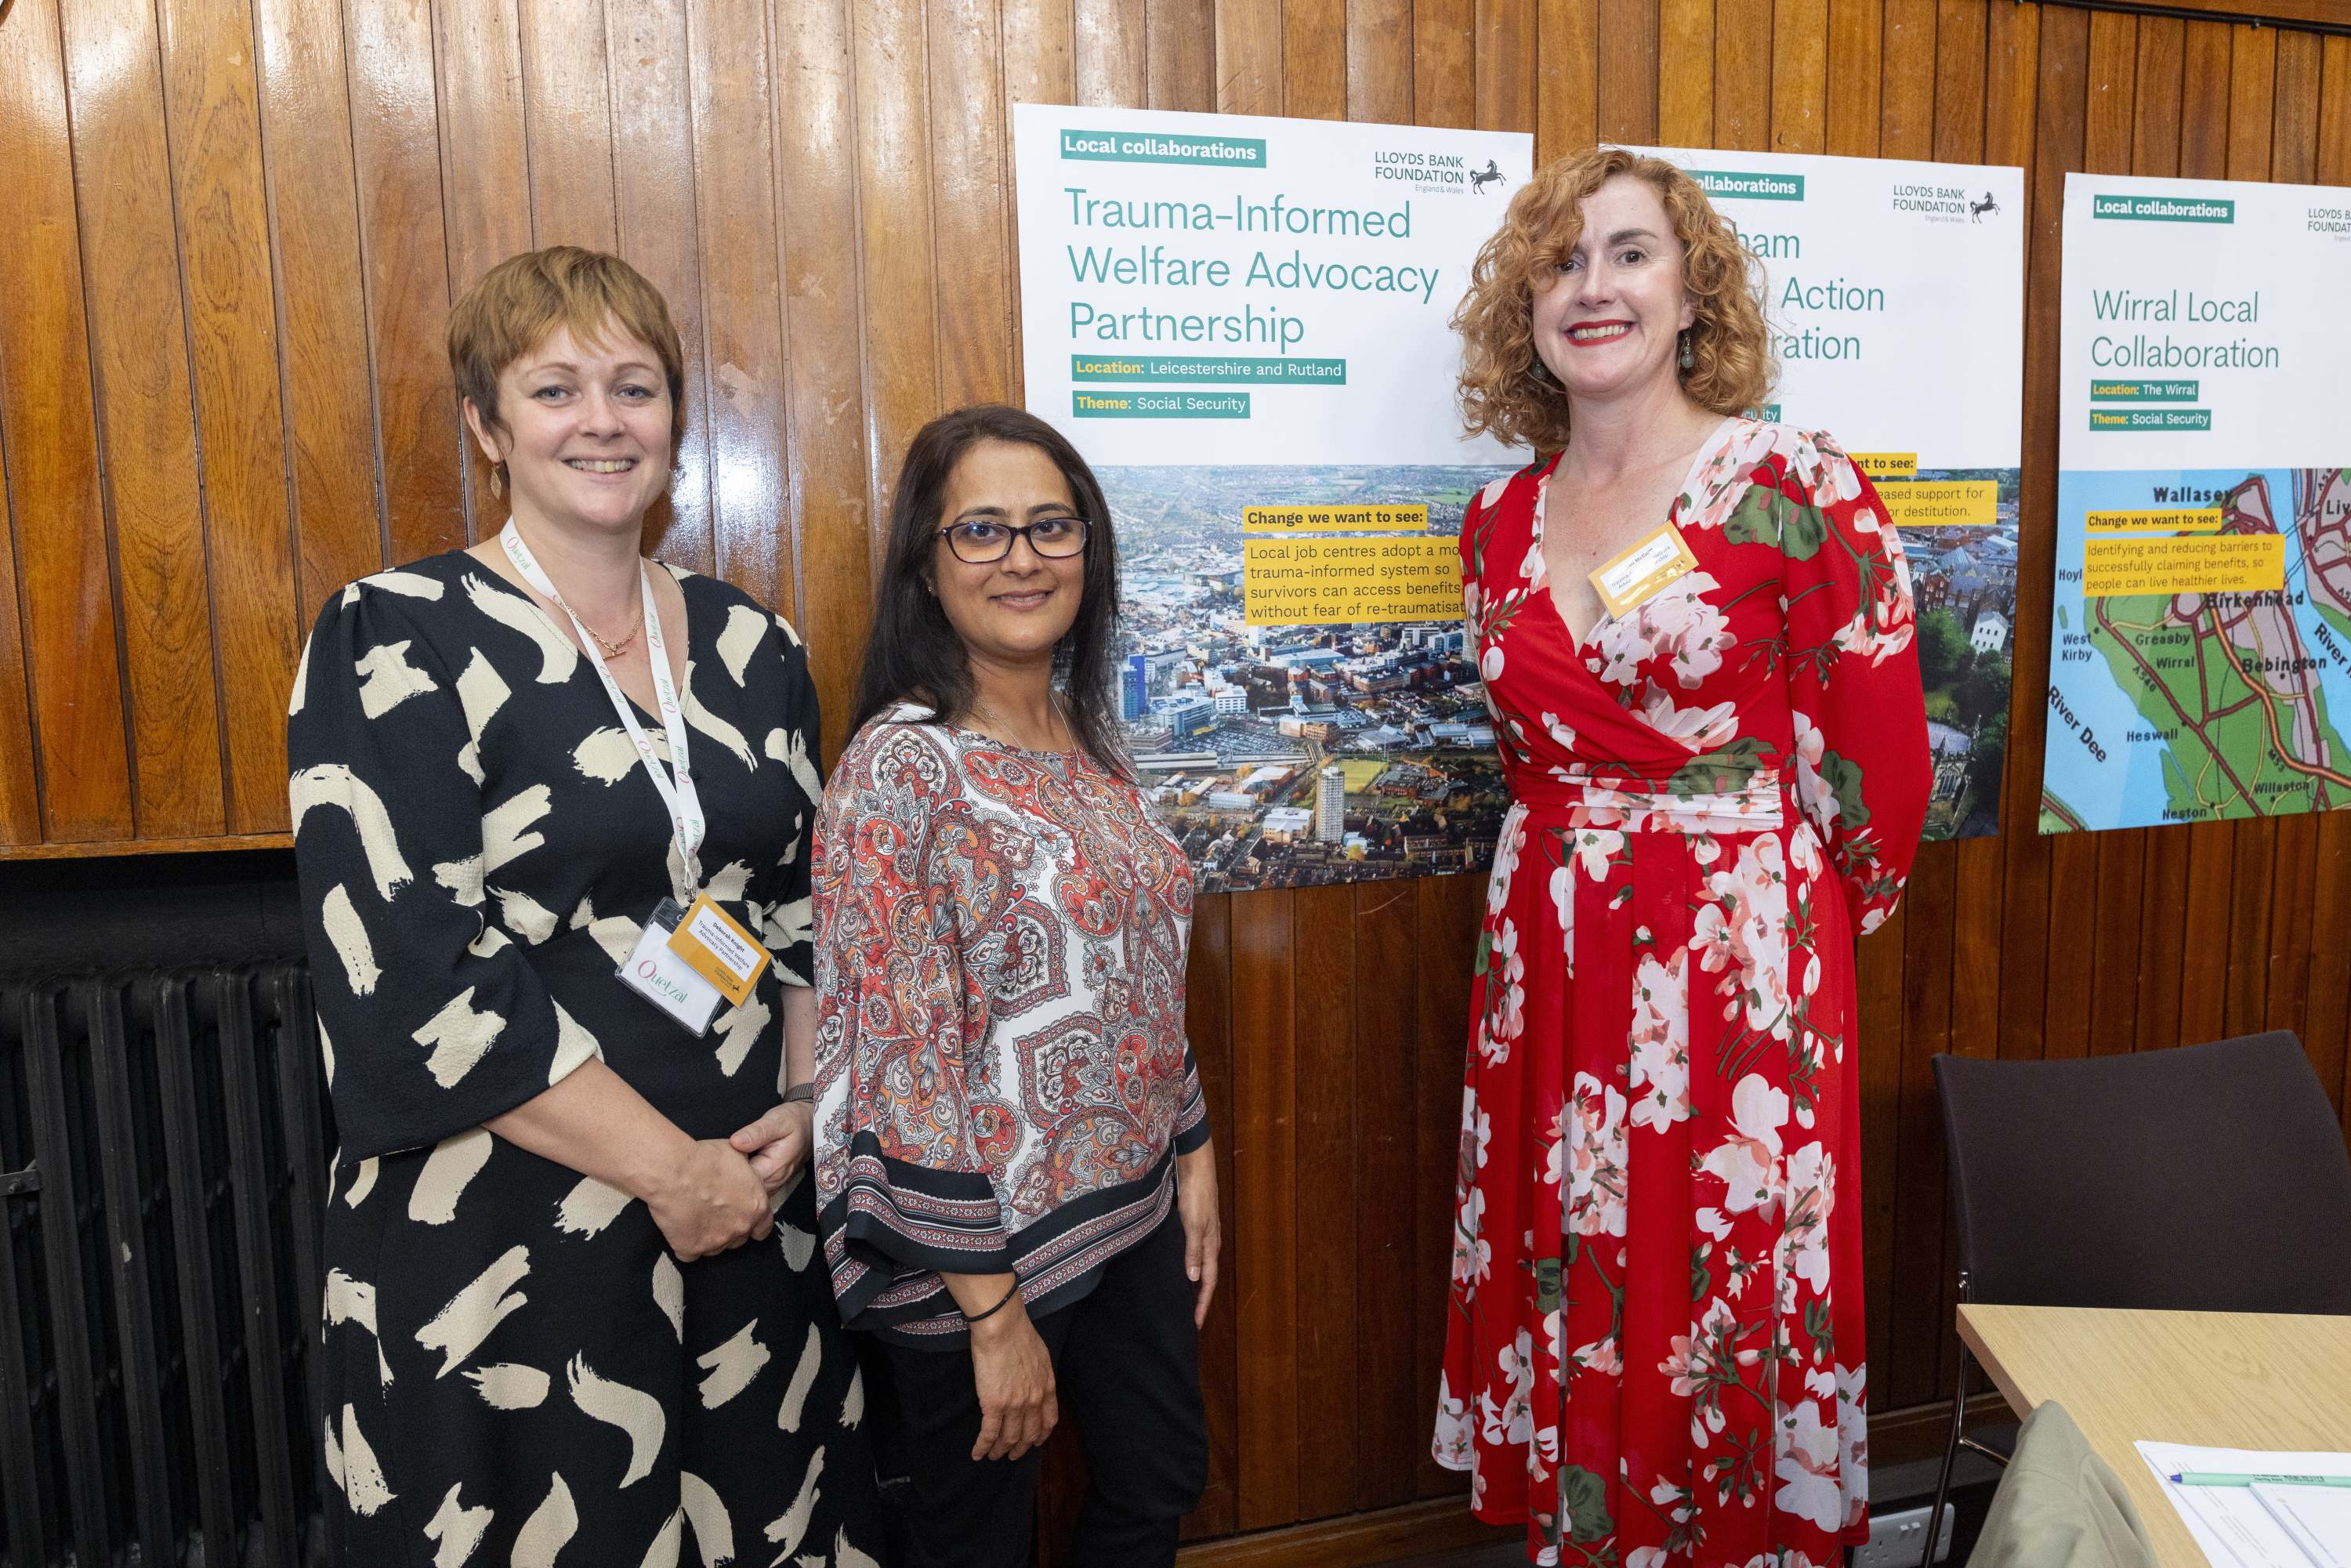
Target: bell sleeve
1863	770
903	1181
432	1020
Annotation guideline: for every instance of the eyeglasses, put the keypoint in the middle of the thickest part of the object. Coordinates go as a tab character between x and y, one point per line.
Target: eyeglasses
980	542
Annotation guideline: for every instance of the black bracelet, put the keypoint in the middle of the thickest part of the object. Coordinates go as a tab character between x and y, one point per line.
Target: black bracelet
803	1093
991	1312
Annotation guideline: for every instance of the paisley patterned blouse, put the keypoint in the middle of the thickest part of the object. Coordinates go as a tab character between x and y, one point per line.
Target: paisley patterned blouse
1002	1072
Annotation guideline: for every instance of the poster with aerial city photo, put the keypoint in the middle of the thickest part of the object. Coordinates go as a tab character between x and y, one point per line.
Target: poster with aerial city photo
1242	323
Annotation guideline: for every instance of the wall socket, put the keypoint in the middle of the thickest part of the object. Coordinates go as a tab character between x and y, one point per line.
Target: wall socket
1899	1540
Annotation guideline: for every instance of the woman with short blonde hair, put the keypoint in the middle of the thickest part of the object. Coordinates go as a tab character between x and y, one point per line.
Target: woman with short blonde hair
1694	629
572	1311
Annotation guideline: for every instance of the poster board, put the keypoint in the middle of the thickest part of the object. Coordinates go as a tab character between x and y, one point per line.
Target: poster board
2200	634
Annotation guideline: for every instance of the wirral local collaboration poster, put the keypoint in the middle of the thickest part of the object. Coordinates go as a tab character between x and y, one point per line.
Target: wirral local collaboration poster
1242	323
2200	645
1895	294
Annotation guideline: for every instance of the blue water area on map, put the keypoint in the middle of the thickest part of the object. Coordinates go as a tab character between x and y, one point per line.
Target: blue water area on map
2128	789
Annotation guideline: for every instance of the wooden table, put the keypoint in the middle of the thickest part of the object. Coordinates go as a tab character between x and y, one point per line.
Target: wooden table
2229	1380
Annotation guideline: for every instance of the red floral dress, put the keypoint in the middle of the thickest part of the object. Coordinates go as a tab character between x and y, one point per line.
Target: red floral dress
1654	1346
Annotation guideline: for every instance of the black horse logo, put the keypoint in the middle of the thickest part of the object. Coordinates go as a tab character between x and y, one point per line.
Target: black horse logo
1975	210
1489	175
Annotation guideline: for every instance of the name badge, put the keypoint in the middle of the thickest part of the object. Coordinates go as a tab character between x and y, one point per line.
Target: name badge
1636	575
662	976
715	946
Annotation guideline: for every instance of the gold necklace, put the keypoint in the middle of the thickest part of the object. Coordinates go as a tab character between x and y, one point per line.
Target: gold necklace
982	710
611	650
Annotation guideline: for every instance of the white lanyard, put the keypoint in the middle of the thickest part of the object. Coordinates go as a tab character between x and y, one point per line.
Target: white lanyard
686	820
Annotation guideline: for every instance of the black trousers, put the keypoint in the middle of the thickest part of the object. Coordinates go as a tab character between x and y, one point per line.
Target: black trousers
1126	1367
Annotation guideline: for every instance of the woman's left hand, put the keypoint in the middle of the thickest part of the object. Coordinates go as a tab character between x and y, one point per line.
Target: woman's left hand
776	1143
1195	1201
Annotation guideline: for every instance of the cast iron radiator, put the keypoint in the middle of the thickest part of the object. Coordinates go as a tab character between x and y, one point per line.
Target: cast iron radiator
163	1143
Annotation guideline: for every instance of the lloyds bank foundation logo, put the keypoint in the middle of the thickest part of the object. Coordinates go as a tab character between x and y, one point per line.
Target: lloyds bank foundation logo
1939	203
1429	172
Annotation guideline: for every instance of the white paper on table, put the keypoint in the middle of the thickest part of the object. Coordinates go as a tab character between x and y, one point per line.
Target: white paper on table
2229	1523
2318	1518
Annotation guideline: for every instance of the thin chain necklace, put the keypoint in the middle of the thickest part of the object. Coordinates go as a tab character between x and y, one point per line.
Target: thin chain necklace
611	650
982	710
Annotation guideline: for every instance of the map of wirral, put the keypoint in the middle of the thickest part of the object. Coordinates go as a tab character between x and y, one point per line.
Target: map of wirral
2197	707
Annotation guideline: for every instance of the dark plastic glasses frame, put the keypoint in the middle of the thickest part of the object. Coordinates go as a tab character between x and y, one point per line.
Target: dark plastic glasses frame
1011	533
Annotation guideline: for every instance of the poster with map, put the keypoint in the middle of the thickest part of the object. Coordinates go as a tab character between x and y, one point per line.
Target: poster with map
1894	291
2200	636
1241	322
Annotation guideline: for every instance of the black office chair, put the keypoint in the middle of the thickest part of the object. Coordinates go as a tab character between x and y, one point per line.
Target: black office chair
2208	1178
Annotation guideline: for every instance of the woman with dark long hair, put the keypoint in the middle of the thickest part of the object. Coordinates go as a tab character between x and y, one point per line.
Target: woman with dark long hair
1015	1187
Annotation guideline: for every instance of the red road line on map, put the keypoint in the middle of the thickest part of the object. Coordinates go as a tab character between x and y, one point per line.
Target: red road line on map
2269	713
2155	682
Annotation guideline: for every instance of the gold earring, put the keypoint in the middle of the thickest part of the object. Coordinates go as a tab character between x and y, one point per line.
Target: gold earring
499	481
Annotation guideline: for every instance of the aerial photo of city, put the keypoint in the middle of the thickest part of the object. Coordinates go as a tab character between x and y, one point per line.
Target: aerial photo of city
1294	755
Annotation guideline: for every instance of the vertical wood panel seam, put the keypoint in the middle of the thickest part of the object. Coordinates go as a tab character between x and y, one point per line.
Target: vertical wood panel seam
448	254
876	526
367	296
931	207
24	622
100	471
522	18
287	439
790	463
195	424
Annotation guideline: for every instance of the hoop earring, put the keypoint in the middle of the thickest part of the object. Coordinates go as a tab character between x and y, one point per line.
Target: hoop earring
1688	359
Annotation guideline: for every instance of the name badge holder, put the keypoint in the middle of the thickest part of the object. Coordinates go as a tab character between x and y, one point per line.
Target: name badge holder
692	955
1638	574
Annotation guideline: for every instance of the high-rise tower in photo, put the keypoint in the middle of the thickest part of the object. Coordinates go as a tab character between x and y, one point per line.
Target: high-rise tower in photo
1331	805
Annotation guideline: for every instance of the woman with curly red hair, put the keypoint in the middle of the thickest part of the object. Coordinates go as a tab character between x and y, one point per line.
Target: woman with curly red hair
1694	627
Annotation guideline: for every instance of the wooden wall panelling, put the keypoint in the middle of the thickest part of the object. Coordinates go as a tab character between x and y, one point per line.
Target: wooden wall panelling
1314	60
744	348
1567	78
1686	73
1857	30
1627	31
1210	1014
314	219
1180	72
1904	1304
1448	913
1326	1027
971	205
147	438
1960	46
1265	1165
657	226
485	173
1379	61
1799	76
1444	62
895	238
1507	34
212	98
568	122
826	440
405	258
2078	863
68	731
1742	74
1113	57
1393	1411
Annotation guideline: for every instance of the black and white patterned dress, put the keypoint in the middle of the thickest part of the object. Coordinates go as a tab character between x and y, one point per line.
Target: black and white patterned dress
518	1371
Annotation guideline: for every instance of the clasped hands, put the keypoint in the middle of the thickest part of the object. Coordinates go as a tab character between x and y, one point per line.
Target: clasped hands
722	1192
